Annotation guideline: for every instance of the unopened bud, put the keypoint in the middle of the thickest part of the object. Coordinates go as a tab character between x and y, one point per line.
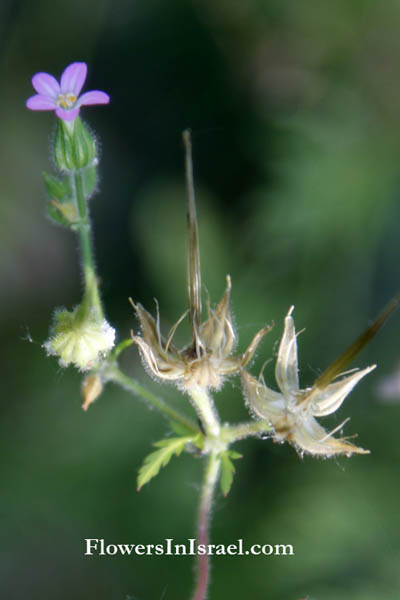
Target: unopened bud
74	145
92	387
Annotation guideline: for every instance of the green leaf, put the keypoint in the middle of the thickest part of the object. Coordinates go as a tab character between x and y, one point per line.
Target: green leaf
198	440
180	428
227	469
183	430
160	458
60	207
57	189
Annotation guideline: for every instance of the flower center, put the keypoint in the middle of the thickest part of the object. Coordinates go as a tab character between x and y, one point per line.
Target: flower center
66	100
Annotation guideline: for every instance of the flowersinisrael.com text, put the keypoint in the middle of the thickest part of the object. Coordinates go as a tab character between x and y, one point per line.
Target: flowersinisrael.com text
98	547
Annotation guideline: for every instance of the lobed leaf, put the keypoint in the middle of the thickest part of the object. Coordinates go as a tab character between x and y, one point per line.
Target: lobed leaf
160	458
227	470
180	428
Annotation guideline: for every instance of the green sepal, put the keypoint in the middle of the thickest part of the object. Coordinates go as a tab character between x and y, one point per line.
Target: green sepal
63	147
89	176
227	469
83	145
160	458
74	145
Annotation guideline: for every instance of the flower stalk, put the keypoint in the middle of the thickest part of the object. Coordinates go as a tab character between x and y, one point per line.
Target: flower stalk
205	408
113	373
203	562
91	297
234	433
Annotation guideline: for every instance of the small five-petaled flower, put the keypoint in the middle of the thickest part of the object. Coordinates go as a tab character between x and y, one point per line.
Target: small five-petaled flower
64	97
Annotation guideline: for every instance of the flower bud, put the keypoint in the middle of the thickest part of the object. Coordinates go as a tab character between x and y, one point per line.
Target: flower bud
74	145
92	387
81	340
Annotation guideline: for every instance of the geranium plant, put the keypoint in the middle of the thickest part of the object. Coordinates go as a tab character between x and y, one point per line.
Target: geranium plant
81	336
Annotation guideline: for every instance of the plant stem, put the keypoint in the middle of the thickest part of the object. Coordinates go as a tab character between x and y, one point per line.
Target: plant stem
91	301
113	373
204	405
203	561
91	296
233	433
120	348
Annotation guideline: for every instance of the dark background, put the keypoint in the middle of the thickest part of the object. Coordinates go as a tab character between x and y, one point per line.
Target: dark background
295	111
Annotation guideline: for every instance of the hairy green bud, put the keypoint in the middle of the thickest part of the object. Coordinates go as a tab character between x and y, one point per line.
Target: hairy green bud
74	146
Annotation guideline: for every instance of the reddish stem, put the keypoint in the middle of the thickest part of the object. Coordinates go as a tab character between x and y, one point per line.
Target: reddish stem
203	561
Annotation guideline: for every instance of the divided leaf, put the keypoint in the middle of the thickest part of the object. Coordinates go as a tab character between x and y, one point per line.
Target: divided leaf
182	430
160	458
227	470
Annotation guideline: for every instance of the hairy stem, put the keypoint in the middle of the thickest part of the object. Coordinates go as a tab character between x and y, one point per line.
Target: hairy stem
114	374
91	296
205	408
203	561
234	433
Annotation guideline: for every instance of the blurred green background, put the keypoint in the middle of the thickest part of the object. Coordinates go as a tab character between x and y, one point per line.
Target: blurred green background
295	112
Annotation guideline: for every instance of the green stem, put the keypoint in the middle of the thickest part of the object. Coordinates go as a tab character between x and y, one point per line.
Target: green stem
233	433
204	405
91	297
203	561
114	374
120	348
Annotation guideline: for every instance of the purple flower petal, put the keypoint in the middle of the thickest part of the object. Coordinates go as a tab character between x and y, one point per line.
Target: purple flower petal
67	115
73	78
40	102
46	84
93	97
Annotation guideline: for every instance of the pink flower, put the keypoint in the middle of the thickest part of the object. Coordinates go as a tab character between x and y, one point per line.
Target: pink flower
64	97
